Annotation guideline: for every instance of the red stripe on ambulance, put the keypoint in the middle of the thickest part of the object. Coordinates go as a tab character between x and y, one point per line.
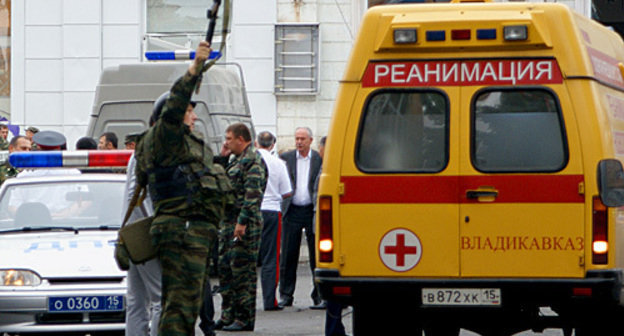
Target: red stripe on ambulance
452	189
464	73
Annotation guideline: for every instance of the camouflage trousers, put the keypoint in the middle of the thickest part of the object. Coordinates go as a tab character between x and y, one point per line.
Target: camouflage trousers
183	248
237	274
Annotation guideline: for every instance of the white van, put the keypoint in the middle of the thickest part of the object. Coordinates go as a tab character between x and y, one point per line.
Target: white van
125	95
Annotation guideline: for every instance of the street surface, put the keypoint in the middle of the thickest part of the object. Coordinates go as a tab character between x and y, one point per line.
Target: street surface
300	320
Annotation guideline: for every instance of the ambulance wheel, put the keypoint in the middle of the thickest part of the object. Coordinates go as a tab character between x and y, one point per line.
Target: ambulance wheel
372	318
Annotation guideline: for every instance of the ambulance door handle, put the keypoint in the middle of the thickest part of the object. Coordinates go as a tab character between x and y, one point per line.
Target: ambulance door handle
479	193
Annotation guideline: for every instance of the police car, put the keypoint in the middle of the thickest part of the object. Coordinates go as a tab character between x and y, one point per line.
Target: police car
57	233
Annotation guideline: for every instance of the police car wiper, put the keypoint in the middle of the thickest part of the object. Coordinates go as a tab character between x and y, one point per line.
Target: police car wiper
101	227
41	228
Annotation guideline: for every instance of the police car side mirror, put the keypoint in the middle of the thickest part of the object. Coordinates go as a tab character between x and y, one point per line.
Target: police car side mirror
611	182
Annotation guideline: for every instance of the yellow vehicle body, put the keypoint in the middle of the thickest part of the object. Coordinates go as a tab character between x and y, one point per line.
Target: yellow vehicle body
461	156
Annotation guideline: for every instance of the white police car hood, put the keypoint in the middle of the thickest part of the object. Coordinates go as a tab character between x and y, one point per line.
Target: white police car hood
61	254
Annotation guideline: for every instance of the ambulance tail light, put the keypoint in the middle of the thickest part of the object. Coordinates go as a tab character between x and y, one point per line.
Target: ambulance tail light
326	239
341	291
515	33
600	242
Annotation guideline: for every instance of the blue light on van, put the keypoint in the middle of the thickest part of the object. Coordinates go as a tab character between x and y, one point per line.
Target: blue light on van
436	35
176	55
486	34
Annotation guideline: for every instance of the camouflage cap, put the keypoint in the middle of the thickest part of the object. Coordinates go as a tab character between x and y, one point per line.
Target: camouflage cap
33	129
131	137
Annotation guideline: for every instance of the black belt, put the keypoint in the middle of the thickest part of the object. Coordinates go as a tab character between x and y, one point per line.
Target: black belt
302	206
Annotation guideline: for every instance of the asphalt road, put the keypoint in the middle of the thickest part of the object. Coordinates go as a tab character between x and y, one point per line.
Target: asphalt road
300	320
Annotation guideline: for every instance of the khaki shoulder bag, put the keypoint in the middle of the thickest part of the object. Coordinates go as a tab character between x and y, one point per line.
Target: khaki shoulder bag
133	240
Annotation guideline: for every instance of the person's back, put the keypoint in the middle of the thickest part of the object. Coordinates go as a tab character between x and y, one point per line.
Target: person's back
278	187
189	194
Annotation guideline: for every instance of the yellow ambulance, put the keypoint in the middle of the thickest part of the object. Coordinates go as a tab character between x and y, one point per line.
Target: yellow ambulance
472	175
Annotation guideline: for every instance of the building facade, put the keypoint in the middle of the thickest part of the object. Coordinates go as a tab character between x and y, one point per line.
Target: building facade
292	52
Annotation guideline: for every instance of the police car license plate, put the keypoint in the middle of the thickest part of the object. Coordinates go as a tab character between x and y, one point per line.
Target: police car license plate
86	303
461	296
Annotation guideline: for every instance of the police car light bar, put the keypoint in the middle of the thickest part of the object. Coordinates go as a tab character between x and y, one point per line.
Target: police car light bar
177	55
70	159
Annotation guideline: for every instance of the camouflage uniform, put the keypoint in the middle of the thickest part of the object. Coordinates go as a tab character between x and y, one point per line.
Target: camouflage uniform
7	171
4	144
189	194
237	260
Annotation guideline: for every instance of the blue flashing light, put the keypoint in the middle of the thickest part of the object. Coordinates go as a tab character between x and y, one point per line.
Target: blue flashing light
436	35
177	55
486	34
36	159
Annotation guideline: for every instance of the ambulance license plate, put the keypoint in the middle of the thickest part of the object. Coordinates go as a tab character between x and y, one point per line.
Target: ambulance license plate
106	303
461	296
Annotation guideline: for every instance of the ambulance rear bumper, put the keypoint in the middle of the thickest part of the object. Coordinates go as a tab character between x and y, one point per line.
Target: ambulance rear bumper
600	287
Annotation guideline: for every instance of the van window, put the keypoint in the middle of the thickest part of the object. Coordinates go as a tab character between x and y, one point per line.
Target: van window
517	130
404	131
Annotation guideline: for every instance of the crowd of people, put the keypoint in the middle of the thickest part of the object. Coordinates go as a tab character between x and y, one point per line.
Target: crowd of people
245	203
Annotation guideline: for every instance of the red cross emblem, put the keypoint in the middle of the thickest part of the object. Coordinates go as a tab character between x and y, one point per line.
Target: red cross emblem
400	250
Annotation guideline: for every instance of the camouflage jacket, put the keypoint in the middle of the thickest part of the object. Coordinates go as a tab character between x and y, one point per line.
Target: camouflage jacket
177	166
4	144
7	171
248	174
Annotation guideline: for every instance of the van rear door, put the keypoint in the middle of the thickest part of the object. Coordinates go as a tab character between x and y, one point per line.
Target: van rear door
399	209
521	185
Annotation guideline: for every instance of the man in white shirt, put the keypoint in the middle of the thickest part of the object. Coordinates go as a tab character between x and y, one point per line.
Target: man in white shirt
144	280
278	187
303	166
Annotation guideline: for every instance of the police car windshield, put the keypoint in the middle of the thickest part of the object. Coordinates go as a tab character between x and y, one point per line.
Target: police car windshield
61	206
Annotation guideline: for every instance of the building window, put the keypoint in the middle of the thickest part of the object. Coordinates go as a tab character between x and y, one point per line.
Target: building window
297	59
179	25
5	58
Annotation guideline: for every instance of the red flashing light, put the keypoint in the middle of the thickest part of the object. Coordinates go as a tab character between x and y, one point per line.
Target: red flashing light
460	34
104	158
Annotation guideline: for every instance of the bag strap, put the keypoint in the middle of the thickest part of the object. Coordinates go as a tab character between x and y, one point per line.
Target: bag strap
137	200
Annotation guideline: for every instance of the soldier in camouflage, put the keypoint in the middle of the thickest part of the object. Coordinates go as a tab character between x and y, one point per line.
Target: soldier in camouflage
4	134
30	132
18	144
189	194
239	238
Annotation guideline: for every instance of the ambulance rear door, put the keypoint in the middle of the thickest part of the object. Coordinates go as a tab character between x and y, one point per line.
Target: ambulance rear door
521	177
399	175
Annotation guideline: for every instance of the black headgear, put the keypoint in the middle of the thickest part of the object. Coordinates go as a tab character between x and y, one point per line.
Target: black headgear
158	106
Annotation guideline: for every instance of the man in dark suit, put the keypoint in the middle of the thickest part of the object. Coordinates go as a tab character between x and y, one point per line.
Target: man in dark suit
303	165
